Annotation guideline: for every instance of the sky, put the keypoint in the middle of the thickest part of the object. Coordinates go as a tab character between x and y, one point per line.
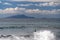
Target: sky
34	0
34	8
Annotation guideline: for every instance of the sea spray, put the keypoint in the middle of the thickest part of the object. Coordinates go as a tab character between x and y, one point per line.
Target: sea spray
18	38
44	35
13	37
37	35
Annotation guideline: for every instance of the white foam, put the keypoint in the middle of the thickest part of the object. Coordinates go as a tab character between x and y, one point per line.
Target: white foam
39	35
13	37
44	35
5	39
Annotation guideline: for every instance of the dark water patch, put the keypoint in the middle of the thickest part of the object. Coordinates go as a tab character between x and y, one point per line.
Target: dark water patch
12	27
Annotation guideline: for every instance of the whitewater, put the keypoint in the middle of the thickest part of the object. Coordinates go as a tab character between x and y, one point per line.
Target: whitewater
39	35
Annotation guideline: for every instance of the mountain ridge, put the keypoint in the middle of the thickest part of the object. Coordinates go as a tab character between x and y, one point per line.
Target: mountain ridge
20	16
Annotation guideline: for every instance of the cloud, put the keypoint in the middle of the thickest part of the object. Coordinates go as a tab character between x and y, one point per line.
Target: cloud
0	2
18	10
48	4
24	4
52	4
6	3
29	12
38	0
37	11
44	0
12	10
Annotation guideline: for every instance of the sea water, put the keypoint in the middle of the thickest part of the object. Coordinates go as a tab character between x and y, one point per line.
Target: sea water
29	29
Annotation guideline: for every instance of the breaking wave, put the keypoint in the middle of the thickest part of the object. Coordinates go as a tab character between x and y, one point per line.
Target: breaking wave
38	35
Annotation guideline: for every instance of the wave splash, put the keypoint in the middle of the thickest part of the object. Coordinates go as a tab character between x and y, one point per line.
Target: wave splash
38	35
44	35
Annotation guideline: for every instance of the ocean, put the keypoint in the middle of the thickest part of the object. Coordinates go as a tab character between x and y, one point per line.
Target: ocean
30	29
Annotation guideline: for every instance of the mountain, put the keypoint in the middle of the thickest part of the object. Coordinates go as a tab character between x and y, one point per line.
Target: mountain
20	16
